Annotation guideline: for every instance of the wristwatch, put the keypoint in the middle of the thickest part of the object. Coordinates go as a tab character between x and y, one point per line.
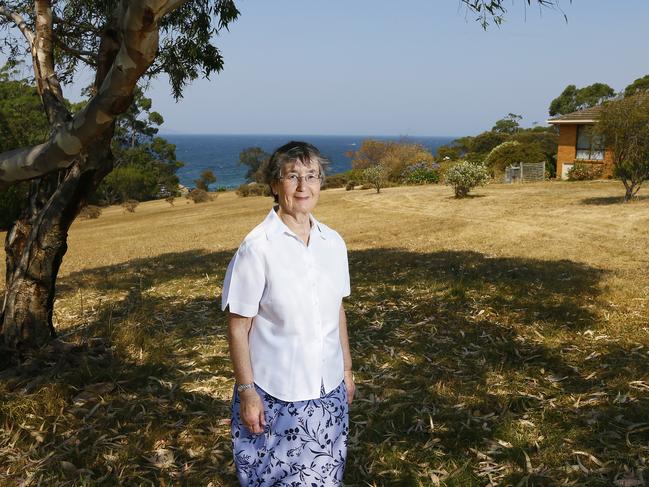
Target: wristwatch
243	387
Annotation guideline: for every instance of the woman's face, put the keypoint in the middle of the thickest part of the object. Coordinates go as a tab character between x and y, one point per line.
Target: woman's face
297	197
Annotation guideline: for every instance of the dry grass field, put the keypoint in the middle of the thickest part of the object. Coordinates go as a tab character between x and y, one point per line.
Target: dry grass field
498	340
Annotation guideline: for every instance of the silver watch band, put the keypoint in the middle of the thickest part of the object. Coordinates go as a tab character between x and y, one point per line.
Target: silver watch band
243	387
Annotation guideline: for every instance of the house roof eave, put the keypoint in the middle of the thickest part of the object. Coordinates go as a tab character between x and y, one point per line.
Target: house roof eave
572	122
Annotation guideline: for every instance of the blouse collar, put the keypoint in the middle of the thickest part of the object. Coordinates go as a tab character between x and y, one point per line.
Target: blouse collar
274	226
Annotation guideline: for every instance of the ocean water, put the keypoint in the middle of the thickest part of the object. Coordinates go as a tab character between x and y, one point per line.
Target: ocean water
220	153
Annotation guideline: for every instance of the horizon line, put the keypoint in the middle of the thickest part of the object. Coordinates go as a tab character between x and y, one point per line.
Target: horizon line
173	132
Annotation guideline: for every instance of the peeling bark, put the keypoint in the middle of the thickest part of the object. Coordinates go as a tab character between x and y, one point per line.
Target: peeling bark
47	81
136	33
20	23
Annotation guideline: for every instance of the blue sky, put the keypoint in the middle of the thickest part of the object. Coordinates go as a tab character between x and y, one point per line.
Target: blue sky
372	67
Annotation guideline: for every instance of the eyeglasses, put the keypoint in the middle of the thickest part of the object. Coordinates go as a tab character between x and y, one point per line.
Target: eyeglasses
310	179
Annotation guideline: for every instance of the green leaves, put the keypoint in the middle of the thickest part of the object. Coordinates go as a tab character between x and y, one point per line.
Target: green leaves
623	125
573	98
254	158
494	11
22	122
186	44
638	86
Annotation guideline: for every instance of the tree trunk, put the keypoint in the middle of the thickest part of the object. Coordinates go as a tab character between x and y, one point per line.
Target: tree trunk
630	186
35	247
29	294
67	167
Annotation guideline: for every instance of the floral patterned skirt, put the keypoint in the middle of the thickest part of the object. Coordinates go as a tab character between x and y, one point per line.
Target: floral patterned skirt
304	442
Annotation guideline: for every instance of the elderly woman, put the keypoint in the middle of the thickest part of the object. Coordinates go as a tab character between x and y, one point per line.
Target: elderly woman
288	335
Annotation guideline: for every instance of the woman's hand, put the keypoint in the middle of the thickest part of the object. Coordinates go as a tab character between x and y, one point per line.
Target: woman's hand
251	411
350	386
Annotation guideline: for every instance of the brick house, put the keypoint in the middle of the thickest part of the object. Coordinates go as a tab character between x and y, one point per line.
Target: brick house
576	143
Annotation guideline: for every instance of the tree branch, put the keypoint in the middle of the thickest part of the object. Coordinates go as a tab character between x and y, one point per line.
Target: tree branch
47	81
171	5
84	56
85	26
137	50
494	10
20	23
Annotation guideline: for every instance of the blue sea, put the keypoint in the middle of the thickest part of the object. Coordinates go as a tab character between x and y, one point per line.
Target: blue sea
220	153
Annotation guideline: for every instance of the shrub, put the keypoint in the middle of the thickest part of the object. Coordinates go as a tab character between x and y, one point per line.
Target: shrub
253	189
421	174
584	172
203	182
447	153
623	128
464	176
130	205
90	212
376	177
350	185
199	196
335	181
444	166
512	153
354	175
393	156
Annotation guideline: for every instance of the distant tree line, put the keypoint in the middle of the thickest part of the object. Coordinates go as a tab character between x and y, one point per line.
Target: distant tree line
22	123
468	161
505	144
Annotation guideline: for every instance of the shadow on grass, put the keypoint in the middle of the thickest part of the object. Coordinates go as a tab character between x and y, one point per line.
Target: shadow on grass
470	196
151	409
468	366
457	354
612	200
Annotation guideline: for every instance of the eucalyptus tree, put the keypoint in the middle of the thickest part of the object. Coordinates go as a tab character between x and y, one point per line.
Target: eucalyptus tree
120	42
640	85
572	98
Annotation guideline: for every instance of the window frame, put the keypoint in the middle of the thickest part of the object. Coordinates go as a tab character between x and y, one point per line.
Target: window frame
587	148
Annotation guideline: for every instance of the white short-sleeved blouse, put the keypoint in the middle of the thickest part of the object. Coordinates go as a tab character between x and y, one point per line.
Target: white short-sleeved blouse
294	292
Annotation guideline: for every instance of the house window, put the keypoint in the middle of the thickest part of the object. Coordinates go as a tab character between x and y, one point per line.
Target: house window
589	146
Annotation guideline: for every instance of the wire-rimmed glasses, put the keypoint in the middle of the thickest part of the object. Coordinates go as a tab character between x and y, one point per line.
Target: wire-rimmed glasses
293	179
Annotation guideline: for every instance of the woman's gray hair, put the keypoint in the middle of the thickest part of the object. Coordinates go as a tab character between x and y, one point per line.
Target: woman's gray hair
294	151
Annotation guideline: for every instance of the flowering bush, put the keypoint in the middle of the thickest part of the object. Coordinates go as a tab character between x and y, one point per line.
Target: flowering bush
375	177
464	176
584	172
